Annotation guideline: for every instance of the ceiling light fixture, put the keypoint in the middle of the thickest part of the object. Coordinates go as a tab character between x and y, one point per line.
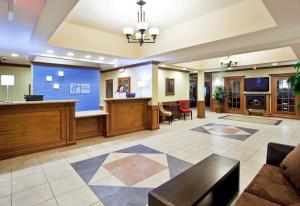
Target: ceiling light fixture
70	54
87	56
142	26
275	64
14	55
230	61
101	58
49	51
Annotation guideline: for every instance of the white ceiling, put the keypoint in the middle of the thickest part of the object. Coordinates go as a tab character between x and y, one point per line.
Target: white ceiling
113	15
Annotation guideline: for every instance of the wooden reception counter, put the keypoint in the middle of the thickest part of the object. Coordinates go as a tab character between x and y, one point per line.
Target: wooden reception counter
27	127
130	115
90	124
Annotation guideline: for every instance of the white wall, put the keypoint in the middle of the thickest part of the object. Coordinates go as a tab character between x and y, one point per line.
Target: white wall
181	85
218	78
141	73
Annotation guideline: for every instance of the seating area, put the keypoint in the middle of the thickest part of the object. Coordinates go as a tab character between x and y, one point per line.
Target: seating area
277	182
149	103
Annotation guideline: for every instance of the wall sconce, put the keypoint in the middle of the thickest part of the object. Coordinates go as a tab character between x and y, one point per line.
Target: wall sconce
55	86
49	78
61	73
122	70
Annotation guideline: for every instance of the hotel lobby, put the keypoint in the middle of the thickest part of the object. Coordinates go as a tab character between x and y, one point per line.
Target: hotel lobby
149	103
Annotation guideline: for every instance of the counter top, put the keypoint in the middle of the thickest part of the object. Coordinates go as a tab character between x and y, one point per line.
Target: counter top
37	102
90	113
120	99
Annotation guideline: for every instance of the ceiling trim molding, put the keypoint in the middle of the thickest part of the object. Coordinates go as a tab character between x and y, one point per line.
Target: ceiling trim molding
131	65
251	68
65	65
15	65
174	70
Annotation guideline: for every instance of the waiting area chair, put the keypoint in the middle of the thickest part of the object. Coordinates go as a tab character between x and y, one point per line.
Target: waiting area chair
185	108
164	114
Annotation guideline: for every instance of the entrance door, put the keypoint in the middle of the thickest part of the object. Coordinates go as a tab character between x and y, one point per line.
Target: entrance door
235	89
109	88
283	99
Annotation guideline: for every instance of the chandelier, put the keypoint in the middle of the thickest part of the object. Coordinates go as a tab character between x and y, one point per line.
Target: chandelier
229	61
140	35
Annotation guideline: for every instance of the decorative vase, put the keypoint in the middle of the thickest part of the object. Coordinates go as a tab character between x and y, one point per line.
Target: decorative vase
219	108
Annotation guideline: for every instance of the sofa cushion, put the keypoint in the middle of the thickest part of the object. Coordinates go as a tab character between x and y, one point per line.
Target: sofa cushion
271	184
291	166
247	199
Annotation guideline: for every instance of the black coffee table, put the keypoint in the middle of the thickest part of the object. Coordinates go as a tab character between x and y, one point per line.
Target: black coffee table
213	181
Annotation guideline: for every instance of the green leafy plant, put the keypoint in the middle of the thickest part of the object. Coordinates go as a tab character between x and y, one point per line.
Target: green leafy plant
220	94
295	81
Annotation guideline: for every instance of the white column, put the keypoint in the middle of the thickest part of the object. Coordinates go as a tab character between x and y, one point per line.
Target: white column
200	88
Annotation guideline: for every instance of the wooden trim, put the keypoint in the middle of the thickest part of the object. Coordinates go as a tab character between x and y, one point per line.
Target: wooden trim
172	69
66	65
125	78
153	117
166	91
15	65
201	109
106	90
130	66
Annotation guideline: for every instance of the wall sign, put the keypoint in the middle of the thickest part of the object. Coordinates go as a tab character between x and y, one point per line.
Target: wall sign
76	88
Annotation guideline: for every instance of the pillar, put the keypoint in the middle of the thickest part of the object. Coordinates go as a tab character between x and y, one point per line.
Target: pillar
201	97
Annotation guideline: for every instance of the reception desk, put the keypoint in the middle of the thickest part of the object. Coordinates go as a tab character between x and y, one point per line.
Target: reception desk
27	127
90	124
130	115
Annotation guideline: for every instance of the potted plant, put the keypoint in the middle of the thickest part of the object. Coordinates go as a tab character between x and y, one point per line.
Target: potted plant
295	81
220	96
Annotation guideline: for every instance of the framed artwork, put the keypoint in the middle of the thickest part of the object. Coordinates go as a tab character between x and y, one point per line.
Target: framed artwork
170	87
126	82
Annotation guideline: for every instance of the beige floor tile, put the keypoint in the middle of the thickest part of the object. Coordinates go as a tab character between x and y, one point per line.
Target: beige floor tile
32	196
5	189
5	201
66	184
80	197
60	172
28	181
51	202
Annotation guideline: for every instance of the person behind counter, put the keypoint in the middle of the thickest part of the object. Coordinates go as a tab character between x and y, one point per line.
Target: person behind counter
120	93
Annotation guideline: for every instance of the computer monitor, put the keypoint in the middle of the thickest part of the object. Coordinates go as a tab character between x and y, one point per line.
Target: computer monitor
34	97
130	95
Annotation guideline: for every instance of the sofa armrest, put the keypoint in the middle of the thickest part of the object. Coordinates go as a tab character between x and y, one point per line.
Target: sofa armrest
277	152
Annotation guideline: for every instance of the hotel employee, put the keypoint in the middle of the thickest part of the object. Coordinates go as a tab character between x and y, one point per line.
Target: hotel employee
120	93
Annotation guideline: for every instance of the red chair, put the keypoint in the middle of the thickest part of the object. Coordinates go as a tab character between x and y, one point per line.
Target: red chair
185	108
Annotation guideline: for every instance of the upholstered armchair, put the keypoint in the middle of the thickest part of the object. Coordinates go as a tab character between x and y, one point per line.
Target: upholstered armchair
184	108
164	114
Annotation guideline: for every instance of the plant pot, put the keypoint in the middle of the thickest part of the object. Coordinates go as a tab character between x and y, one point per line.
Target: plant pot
219	108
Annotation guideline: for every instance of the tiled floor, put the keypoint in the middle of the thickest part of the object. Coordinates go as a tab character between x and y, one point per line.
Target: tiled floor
51	178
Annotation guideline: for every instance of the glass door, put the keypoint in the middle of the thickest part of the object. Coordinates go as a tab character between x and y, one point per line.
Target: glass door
234	96
234	88
285	98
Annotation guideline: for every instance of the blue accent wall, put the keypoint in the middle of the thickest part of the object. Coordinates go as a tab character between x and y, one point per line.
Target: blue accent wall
71	76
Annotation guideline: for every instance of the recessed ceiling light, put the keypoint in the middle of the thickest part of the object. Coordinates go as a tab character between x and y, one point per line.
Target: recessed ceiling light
115	60
116	65
229	68
275	64
49	51
184	68
87	56
101	58
163	65
14	55
70	54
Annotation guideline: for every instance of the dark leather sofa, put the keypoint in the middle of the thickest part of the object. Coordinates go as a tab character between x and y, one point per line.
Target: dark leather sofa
270	187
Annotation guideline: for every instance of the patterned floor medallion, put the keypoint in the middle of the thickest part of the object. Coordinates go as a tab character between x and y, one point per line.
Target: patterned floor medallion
124	177
232	132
